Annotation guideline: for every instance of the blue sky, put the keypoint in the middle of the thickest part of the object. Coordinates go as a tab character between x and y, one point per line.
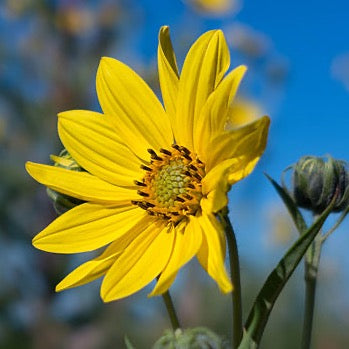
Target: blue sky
312	116
310	113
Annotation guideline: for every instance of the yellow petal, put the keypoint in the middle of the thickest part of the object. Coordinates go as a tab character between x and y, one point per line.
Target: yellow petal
133	108
255	146
92	141
215	187
240	172
241	112
80	185
215	112
212	252
217	182
186	245
216	176
88	227
139	264
204	67
235	154
88	271
168	73
248	141
215	201
98	266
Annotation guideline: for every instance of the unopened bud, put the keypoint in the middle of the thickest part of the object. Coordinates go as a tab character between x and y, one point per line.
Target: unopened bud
192	338
62	202
316	180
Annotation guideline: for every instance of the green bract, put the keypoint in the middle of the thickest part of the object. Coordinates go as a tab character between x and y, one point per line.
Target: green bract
61	202
192	338
317	179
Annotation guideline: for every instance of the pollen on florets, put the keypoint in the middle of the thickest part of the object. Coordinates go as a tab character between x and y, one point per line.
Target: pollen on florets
171	186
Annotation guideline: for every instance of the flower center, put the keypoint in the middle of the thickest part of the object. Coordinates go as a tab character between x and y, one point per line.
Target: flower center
171	187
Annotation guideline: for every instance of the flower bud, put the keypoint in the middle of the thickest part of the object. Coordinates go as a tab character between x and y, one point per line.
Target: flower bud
317	179
65	160
62	202
192	338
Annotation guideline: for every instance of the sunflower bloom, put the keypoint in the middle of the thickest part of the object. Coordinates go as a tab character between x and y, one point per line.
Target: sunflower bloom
155	176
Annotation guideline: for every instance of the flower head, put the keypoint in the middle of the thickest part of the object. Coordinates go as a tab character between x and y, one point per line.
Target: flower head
154	176
316	180
197	337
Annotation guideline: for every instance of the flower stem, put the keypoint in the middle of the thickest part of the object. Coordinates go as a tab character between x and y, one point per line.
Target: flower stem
171	310
312	259
235	278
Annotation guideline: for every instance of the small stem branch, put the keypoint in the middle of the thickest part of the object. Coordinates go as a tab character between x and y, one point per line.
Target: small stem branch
312	260
235	278
171	310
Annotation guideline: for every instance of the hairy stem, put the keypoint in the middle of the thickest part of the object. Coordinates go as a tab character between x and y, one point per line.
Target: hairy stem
171	310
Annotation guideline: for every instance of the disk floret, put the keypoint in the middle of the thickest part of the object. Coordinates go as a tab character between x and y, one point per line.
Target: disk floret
171	187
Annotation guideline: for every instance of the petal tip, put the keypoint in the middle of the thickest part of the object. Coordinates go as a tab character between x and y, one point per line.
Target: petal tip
152	294
157	291
164	29
105	63
28	165
106	296
105	293
31	168
218	34
105	59
37	243
34	241
61	114
243	68
64	114
227	288
60	287
266	119
105	299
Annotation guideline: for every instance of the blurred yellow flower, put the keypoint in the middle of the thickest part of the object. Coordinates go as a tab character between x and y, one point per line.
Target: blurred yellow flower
154	176
216	6
75	19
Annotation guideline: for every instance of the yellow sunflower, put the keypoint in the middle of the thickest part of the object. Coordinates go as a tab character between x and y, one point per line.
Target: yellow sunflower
154	176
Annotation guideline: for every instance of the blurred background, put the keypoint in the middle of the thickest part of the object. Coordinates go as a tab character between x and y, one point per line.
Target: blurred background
298	58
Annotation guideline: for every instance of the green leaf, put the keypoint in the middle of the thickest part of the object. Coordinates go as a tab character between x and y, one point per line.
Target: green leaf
128	344
276	281
291	206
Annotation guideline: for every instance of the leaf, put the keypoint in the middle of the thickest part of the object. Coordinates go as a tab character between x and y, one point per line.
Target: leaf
128	343
276	281
291	206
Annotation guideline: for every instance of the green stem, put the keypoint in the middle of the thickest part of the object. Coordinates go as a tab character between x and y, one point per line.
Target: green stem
171	310
312	260
276	281
235	278
336	225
